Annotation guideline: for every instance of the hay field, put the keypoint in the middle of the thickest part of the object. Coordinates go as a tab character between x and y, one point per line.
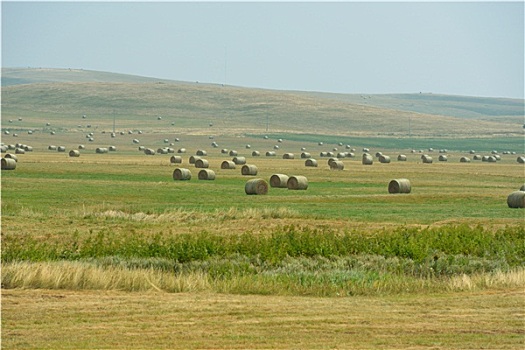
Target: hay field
200	264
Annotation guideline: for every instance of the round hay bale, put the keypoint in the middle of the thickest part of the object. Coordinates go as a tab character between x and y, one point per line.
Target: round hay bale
256	186
81	147
214	144
399	186
228	164
256	154
341	155
11	156
193	159
367	159
379	154
101	150
248	146
181	150
288	156
323	154
522	188
306	155
74	153
3	148
181	174
442	158
297	183
239	160
310	162
175	159
331	160
384	159
402	158
136	141
270	154
141	148
492	159
477	157
206	174
233	153
61	148
149	151
464	160
224	150
279	180
52	147
516	199
249	169
28	148
426	159
162	150
276	147
337	165
520	160
202	163
20	151
8	164
112	148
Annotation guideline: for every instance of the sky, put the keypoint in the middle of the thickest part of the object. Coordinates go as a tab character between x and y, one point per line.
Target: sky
458	48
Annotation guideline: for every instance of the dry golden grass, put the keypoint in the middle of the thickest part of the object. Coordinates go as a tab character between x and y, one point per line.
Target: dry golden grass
74	275
36	319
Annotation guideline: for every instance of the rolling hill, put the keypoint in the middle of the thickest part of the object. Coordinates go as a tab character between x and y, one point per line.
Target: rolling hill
62	96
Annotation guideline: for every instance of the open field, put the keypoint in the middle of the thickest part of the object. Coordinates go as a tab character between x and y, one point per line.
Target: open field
110	245
36	319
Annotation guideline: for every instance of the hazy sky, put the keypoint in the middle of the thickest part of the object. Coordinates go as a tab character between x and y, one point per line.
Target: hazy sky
463	48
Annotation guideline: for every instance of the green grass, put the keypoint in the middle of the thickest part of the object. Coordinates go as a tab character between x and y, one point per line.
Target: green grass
480	145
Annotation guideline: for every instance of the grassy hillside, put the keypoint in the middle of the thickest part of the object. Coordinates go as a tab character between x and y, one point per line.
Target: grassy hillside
62	97
17	76
484	108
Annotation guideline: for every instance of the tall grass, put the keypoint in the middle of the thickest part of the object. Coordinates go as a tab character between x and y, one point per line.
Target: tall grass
76	275
291	260
438	247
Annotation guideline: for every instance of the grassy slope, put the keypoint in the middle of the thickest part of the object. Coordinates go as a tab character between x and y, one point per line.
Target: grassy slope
136	102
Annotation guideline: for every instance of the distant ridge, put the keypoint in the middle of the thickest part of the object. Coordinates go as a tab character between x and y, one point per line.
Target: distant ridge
17	76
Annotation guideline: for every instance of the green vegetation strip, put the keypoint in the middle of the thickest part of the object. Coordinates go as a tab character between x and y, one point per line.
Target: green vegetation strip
318	261
507	143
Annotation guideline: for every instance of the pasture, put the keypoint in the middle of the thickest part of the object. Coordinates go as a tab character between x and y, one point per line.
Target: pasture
109	251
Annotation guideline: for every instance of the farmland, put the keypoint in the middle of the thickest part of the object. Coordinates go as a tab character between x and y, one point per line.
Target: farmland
97	228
